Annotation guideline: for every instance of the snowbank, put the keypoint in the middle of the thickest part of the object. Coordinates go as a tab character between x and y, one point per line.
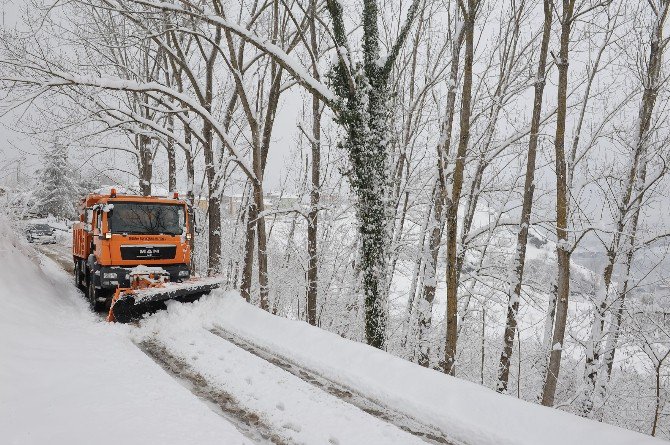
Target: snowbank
465	412
67	377
295	411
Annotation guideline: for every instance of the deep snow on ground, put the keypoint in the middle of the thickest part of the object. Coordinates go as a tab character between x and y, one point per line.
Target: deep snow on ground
66	377
465	412
69	377
295	410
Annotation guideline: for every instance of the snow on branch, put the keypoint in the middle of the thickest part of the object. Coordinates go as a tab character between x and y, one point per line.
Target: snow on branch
61	79
287	62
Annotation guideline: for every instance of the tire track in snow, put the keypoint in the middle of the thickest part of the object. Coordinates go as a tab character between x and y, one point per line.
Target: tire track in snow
248	423
59	253
425	432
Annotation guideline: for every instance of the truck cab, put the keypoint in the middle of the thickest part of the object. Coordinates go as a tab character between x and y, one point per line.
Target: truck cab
118	232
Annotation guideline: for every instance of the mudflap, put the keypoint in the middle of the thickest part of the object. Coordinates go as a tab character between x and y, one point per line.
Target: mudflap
132	304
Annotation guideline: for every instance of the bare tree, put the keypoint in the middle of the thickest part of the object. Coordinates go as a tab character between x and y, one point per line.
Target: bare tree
527	207
469	12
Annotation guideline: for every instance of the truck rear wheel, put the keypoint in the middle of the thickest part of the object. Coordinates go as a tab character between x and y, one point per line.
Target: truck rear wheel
77	274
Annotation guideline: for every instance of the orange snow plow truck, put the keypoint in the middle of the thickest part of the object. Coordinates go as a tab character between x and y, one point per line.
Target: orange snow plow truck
132	252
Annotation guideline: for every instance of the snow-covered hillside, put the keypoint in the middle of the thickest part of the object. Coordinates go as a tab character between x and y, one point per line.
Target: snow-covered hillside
69	377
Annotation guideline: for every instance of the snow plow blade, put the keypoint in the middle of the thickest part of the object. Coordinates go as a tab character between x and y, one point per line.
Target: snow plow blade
129	304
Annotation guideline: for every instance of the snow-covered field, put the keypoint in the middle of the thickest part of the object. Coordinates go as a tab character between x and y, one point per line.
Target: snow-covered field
68	377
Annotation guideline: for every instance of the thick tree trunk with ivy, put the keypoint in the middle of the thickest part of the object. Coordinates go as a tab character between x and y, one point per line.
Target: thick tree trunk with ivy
172	157
363	111
527	207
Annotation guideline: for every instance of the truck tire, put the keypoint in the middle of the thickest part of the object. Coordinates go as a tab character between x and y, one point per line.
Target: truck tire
92	294
77	274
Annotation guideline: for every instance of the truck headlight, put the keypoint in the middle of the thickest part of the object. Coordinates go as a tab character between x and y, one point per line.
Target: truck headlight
184	273
108	275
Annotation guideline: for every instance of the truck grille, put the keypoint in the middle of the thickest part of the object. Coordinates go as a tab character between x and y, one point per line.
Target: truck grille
155	252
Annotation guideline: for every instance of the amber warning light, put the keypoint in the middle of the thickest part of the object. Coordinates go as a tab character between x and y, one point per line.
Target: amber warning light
176	195
113	193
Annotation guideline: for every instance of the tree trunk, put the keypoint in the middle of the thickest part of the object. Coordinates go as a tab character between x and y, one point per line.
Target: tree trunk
262	245
364	115
657	406
527	207
632	200
410	326
563	249
314	196
214	206
547	335
451	316
190	195
425	307
250	239
172	160
145	164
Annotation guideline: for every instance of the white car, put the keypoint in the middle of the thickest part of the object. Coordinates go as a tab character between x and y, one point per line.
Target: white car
41	233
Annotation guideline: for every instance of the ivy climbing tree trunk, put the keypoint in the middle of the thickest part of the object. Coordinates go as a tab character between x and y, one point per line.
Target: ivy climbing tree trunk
172	158
363	111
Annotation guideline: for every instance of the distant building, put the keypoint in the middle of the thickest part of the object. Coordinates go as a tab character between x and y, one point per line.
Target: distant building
232	203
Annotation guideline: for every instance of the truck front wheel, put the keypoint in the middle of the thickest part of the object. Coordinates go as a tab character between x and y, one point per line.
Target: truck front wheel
94	295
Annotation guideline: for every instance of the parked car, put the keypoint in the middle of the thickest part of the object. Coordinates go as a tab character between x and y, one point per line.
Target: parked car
41	233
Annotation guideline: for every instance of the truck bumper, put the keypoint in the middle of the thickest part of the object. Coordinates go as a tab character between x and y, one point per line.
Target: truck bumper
111	277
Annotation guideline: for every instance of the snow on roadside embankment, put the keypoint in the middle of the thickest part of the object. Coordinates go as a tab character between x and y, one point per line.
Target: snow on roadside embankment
465	412
293	410
67	377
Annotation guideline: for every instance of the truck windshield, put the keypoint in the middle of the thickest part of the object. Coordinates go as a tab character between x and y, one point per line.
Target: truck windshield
141	218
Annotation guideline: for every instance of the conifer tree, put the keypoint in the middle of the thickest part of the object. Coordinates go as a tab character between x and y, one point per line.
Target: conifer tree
55	190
